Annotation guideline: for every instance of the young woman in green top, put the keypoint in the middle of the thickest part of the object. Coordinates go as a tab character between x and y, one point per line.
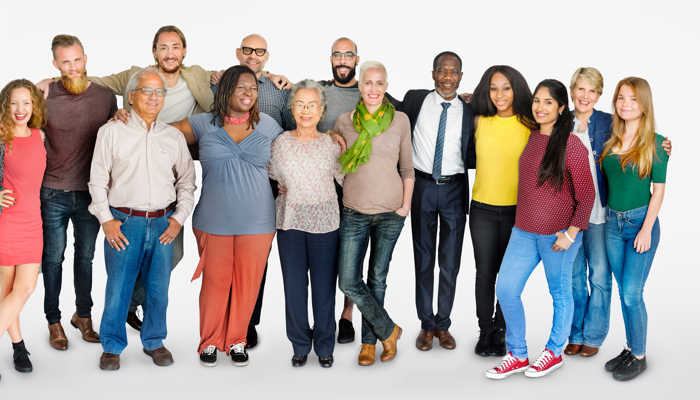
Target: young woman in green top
633	159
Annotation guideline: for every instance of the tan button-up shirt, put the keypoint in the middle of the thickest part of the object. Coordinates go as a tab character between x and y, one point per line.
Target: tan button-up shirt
141	169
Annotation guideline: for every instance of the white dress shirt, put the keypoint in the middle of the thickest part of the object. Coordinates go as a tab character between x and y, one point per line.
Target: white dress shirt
425	136
598	212
141	169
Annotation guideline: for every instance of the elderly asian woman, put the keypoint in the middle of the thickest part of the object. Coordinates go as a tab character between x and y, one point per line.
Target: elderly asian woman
376	201
305	162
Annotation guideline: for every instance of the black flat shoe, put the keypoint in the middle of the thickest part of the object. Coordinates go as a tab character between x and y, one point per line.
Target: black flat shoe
21	360
298	361
251	339
630	368
346	333
483	345
498	343
326	361
612	365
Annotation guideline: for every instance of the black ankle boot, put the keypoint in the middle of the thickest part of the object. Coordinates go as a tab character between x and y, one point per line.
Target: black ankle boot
21	357
498	343
483	345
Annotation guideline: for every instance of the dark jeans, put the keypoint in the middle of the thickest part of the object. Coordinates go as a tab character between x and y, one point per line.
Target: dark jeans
490	228
306	255
433	202
57	208
357	230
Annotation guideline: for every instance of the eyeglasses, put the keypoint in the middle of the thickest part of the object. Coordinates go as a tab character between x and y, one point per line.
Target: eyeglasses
310	106
249	50
348	56
147	91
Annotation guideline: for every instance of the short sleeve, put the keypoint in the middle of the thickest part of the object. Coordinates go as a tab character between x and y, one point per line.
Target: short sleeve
201	124
269	127
658	168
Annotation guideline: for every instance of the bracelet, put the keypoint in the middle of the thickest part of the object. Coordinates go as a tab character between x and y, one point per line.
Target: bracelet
568	237
407	211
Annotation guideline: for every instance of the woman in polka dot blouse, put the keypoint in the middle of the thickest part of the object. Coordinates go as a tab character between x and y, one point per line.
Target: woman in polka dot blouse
555	197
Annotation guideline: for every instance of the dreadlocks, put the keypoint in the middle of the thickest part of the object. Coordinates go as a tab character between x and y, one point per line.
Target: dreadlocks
222	99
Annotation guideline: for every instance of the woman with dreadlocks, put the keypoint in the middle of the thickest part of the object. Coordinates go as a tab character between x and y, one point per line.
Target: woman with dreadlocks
234	220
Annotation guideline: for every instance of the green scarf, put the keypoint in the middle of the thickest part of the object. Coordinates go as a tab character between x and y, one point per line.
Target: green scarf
368	126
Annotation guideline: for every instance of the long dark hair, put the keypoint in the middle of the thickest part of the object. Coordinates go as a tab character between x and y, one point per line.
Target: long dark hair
552	166
222	98
522	97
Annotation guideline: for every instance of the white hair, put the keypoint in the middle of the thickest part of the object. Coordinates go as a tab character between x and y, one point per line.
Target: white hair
373	64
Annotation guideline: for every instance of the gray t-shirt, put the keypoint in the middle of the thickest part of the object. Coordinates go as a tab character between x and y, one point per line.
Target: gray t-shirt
339	100
179	102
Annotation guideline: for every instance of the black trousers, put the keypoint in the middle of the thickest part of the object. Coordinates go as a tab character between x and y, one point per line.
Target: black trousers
490	228
433	202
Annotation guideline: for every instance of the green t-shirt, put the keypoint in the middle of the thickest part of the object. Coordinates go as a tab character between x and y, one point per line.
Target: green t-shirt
625	190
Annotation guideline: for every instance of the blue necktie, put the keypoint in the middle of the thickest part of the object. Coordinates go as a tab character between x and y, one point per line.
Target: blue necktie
437	160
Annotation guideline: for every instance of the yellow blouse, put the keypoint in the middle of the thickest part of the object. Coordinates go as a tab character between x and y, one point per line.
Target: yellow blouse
499	144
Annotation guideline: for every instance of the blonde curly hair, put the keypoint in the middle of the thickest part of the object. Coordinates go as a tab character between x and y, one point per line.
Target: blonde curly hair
38	118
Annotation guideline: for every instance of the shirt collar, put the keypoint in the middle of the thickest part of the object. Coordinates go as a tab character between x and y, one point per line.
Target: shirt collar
140	124
439	100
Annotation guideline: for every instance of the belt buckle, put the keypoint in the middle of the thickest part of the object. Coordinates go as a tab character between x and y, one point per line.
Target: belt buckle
440	181
147	214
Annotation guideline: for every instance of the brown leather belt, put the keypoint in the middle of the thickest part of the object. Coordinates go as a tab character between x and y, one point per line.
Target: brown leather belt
146	214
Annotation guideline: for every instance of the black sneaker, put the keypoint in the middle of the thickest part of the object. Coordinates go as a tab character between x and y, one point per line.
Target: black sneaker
239	357
251	339
21	360
630	368
498	343
346	333
208	356
612	365
483	345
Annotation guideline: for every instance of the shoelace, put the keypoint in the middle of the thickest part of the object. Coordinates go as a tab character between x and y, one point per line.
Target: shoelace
209	350
237	348
507	361
629	360
545	358
21	354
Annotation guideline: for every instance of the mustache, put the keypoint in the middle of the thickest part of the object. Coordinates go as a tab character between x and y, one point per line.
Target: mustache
75	85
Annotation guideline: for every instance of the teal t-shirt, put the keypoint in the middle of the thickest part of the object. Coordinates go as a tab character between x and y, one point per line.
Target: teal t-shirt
626	190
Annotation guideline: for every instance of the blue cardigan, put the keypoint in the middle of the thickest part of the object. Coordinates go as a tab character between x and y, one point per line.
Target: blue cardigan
599	126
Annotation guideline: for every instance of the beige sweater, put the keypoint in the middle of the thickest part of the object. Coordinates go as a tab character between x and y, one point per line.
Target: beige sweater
377	186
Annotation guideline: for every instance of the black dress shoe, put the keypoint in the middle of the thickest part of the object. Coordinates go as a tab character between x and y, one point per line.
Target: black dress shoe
133	320
346	333
498	343
483	345
298	361
326	361
251	339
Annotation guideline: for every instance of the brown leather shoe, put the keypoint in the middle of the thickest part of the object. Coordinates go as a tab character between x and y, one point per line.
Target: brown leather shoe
84	325
446	340
390	344
587	351
572	349
57	337
425	340
109	362
161	356
367	354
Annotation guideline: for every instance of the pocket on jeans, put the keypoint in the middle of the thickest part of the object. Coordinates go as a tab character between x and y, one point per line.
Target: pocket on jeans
347	210
120	216
636	221
46	193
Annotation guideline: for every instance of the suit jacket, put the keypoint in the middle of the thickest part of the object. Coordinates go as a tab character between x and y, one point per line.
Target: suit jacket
412	104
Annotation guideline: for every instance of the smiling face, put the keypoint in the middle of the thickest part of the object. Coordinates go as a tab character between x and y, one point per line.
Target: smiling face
252	60
306	108
169	52
344	68
244	96
626	105
71	62
21	106
584	96
502	95
545	109
447	77
147	107
372	88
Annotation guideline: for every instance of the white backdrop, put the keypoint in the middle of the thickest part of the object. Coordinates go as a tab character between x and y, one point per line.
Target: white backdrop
545	39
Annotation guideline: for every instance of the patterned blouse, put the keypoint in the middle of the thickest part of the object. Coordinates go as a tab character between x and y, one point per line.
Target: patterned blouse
307	171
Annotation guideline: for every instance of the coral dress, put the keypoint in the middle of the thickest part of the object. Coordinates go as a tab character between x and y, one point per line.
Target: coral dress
21	238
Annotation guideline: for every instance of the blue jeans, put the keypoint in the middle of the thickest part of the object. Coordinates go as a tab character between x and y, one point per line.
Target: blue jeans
631	270
57	208
146	256
591	312
525	251
356	230
313	256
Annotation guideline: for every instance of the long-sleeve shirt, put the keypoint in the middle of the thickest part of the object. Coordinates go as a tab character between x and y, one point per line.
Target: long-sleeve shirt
543	211
141	169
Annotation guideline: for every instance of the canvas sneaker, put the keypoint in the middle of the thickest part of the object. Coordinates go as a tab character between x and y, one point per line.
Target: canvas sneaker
208	356
509	365
544	365
239	357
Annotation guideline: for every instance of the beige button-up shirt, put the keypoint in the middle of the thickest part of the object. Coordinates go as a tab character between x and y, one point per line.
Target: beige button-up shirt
141	169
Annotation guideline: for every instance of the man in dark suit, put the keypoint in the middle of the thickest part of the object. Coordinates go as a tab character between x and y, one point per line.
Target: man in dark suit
443	149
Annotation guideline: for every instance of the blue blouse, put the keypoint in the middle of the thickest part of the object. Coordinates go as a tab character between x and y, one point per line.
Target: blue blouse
236	196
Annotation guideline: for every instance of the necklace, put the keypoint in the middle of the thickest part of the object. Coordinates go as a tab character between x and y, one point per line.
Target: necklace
581	131
236	121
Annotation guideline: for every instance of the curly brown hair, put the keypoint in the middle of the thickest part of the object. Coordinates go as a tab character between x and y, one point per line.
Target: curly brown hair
38	118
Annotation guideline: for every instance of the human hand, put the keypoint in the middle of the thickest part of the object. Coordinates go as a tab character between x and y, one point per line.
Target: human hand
43	85
402	212
216	78
467	97
666	144
562	244
170	232
5	200
282	190
642	242
114	236
121	115
280	81
338	138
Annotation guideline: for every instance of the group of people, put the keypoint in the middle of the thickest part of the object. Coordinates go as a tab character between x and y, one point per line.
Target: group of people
333	168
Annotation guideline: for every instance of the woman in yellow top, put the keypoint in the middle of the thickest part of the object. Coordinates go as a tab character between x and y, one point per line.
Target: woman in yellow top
502	103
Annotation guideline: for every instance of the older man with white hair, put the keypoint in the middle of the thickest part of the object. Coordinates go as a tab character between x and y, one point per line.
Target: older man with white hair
140	170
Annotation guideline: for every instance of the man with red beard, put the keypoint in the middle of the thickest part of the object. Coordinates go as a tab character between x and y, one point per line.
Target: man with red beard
76	110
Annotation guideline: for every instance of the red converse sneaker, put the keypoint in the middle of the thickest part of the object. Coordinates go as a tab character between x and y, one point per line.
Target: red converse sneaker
508	366
544	365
